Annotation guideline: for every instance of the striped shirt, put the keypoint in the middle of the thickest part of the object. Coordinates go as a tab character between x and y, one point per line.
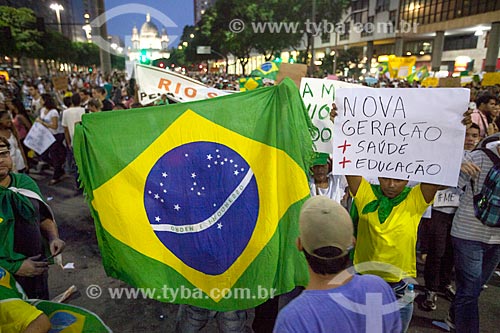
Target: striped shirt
465	224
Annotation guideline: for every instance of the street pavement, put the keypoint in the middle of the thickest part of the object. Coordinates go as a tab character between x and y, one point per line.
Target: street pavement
144	315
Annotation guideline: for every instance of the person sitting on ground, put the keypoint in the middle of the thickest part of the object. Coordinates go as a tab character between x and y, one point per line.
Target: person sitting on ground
333	296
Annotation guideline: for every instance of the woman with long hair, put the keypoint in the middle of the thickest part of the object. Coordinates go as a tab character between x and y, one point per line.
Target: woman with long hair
21	121
8	131
55	155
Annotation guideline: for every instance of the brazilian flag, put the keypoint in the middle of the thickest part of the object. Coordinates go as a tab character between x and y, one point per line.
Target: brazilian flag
419	75
201	198
268	70
250	83
15	309
67	318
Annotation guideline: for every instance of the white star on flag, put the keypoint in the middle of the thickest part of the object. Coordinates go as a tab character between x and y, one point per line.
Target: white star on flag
164	175
236	173
209	157
177	207
157	196
157	219
219	225
193	175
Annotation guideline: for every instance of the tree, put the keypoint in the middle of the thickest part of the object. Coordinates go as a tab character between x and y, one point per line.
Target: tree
215	27
25	39
327	12
279	14
346	58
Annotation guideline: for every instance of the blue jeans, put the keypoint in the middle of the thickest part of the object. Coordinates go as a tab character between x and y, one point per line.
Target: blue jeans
475	263
405	312
192	319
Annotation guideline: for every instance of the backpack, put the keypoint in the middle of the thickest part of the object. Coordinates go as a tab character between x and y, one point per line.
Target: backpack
487	202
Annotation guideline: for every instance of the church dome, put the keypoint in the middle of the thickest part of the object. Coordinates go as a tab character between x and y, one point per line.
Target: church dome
149	28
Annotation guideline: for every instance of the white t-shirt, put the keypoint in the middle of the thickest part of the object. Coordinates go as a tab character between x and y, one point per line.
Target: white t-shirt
15	153
70	117
47	117
336	188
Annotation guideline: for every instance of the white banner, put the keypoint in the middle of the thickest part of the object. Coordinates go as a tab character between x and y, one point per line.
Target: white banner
39	138
318	96
154	81
400	133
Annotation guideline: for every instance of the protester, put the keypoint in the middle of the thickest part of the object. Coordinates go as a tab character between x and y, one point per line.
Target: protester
100	94
55	155
439	260
84	98
326	236
163	100
22	123
36	101
8	131
476	246
70	118
17	315
486	104
27	224
94	105
399	209
324	183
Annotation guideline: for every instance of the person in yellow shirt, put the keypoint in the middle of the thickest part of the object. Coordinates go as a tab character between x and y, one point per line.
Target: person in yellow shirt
16	315
389	215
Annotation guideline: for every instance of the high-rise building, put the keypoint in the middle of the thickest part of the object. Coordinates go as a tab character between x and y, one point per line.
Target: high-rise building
446	35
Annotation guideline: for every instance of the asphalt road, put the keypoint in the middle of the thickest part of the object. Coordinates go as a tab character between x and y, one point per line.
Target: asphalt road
144	315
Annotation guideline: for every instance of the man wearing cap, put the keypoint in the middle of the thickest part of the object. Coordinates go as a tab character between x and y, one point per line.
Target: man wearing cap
335	300
324	183
25	220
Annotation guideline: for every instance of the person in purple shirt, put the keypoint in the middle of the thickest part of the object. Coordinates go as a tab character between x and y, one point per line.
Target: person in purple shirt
336	300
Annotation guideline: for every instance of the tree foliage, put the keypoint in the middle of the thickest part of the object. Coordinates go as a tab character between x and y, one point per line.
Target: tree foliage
25	39
294	14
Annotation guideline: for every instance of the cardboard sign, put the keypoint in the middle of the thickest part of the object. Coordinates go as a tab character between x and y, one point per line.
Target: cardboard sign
318	96
412	134
39	138
445	82
430	82
60	83
294	71
154	81
490	79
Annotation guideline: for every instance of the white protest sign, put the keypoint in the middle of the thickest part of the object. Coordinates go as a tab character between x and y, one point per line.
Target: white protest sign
39	138
154	81
447	198
318	96
400	133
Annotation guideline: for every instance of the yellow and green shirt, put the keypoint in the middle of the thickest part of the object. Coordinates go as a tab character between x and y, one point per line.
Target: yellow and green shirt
388	249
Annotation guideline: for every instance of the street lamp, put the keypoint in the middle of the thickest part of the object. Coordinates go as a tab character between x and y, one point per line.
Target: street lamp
57	8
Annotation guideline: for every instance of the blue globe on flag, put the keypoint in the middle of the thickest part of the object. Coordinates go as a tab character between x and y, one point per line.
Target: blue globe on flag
202	201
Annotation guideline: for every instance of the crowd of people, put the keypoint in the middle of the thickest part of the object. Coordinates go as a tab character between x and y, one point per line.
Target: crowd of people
382	226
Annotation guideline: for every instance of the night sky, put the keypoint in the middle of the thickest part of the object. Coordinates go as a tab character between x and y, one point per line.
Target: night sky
180	13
